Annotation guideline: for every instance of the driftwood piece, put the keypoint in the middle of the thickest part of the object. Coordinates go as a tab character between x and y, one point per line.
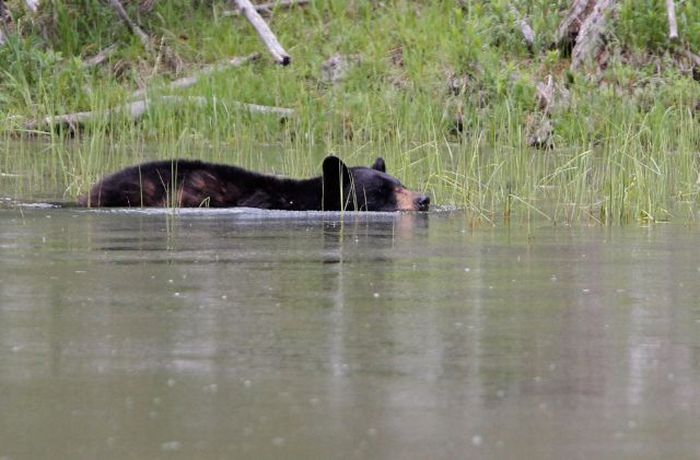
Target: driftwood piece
525	29
100	57
135	29
5	20
672	24
590	36
133	110
263	30
186	82
136	109
266	9
571	25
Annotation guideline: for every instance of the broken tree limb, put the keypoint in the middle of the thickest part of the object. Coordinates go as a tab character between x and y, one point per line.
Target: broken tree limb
525	29
136	109
5	20
133	110
100	57
672	24
135	29
266	35
590	36
265	9
186	82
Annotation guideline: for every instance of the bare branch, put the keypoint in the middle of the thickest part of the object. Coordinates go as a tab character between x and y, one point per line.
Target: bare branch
100	57
33	5
186	82
136	109
5	20
135	29
672	25
266	35
525	29
266	8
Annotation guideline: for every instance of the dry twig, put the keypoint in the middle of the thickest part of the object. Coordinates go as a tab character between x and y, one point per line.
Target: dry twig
263	30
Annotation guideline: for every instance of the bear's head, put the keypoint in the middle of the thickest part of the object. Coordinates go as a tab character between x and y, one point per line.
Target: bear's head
366	189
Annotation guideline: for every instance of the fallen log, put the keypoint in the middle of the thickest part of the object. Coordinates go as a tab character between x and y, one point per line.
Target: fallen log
100	57
186	82
525	29
136	109
263	30
672	24
5	20
135	29
265	9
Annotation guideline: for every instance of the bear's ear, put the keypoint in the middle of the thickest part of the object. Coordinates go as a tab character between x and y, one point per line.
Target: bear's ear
379	165
336	183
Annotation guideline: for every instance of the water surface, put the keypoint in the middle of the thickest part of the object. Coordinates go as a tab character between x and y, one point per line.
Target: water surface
256	334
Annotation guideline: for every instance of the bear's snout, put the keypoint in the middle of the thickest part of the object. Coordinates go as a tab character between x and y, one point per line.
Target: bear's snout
407	200
422	202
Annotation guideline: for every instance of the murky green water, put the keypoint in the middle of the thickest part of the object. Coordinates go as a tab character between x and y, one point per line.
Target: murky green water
244	334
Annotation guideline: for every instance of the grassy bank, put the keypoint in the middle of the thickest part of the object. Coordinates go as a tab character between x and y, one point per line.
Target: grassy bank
445	91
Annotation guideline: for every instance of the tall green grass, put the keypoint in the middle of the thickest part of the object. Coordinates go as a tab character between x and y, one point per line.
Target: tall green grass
625	144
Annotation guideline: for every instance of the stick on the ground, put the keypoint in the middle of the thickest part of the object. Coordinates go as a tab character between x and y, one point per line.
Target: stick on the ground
672	25
100	57
525	29
135	110
266	35
143	36
266	8
186	82
33	5
5	18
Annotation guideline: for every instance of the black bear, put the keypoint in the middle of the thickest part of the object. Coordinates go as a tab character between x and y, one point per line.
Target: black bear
187	183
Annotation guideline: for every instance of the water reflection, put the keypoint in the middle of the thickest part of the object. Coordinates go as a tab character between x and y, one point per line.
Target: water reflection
229	334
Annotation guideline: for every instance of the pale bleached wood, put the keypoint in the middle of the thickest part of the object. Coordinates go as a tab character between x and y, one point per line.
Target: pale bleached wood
100	57
264	31
672	24
136	109
186	82
525	29
265	9
135	29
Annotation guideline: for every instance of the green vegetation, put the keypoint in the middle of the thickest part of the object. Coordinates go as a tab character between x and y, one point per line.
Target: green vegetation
625	140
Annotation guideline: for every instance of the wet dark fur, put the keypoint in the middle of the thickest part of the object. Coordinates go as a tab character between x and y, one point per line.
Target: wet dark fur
189	183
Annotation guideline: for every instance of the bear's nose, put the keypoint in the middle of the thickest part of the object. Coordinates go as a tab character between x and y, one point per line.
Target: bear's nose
423	203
